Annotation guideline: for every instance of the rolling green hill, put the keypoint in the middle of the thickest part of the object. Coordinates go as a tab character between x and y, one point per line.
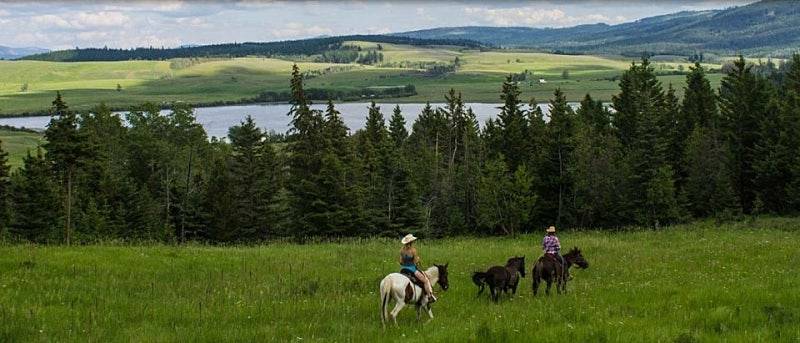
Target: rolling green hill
765	28
220	80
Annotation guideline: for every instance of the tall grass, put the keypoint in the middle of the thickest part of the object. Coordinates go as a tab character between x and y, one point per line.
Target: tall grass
690	283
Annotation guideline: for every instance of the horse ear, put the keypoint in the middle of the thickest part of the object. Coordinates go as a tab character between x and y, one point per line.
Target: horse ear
446	264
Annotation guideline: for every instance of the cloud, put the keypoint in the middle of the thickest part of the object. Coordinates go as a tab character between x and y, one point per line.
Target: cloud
4	13
298	30
530	16
193	22
81	20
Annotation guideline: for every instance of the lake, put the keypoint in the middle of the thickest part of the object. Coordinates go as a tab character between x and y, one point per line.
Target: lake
217	120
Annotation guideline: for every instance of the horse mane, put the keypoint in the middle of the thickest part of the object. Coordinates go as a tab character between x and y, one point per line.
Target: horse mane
433	269
514	259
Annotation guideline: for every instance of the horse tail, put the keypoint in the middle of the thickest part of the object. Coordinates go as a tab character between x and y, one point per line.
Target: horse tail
479	278
386	291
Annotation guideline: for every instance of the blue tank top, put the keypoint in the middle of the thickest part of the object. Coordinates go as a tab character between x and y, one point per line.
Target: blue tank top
408	263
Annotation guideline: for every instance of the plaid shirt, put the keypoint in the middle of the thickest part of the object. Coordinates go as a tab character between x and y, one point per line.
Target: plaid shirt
551	245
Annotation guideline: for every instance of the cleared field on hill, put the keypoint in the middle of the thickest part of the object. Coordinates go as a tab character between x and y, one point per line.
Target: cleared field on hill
85	84
17	144
691	283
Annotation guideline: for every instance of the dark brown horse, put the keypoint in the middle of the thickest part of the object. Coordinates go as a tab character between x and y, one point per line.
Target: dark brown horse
501	278
549	269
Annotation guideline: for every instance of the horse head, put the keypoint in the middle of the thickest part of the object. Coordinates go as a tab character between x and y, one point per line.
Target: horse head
574	256
518	263
443	276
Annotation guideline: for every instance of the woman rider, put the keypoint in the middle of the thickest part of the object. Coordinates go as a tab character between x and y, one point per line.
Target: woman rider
409	261
551	245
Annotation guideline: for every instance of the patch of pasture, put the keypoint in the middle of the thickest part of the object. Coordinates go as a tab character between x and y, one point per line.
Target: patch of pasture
18	143
700	282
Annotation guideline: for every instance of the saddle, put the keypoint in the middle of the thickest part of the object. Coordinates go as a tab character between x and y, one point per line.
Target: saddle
560	268
412	277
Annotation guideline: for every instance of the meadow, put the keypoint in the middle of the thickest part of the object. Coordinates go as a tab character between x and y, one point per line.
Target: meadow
30	86
699	282
17	144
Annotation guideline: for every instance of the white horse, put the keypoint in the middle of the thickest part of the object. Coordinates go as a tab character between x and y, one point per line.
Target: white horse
404	292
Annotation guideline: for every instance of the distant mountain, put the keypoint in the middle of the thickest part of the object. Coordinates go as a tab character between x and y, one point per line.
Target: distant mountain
283	48
767	27
12	53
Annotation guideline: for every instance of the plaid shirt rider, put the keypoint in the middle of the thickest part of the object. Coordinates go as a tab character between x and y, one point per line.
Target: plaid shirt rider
551	245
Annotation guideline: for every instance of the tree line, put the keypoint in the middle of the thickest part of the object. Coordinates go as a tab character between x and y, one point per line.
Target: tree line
652	159
301	47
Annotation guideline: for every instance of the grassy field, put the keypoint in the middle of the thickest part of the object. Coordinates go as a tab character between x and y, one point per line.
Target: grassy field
17	144
693	283
85	84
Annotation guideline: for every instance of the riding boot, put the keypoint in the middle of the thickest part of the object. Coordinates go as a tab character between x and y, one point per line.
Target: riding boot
429	292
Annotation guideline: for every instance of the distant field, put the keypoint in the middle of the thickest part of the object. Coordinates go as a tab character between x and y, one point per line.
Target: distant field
691	283
85	84
17	144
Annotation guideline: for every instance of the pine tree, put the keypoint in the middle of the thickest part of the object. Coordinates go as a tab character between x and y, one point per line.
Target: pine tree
374	149
67	150
404	215
513	125
338	179
594	114
505	201
709	187
559	149
397	128
34	196
743	99
674	138
5	183
219	201
645	127
791	132
601	176
426	141
699	105
254	174
101	182
640	95
305	149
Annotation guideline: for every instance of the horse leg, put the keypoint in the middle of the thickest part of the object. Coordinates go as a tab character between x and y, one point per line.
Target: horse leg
494	292
514	288
549	284
480	290
430	313
397	307
419	312
535	285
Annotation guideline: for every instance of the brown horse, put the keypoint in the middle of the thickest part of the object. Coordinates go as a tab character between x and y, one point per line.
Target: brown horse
501	278
549	269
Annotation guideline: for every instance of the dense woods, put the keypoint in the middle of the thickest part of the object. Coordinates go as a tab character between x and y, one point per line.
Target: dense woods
651	159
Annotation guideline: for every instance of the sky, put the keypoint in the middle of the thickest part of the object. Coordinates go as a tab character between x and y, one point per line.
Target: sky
126	24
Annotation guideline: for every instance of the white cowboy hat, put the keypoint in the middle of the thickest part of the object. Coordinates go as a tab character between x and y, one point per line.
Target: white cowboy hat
551	229
408	239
